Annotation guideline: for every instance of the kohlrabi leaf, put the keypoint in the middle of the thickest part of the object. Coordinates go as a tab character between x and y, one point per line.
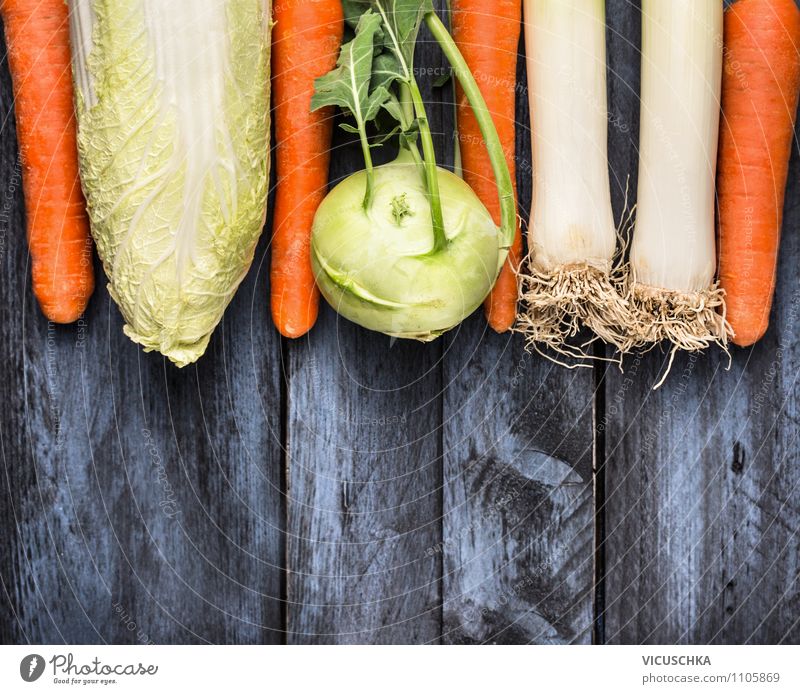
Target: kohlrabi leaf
442	80
353	9
385	137
173	136
348	84
385	70
409	137
401	23
394	109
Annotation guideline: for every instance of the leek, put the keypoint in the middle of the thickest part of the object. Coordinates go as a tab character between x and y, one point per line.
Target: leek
673	254
572	278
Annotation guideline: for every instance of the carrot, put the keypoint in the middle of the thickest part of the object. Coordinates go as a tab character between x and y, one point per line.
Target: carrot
761	83
487	33
306	42
37	34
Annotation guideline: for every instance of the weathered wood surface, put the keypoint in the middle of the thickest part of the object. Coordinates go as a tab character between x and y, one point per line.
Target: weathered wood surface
139	503
518	538
346	489
702	499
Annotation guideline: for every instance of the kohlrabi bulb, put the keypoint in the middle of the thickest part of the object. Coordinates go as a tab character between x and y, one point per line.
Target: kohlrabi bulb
378	268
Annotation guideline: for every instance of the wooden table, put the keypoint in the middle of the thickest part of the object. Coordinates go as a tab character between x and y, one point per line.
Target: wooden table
342	488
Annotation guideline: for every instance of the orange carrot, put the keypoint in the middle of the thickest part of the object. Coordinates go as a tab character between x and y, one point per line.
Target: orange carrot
306	42
487	33
37	34
760	88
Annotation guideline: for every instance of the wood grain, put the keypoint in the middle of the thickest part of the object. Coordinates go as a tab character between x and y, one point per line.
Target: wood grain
702	483
140	503
519	518
364	468
518	537
364	475
147	501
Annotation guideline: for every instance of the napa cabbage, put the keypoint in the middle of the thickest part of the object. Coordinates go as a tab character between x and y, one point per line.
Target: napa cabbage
173	135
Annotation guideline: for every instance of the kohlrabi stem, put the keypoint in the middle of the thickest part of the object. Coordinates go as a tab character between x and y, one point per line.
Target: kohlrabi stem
431	174
458	164
406	104
505	188
368	167
407	111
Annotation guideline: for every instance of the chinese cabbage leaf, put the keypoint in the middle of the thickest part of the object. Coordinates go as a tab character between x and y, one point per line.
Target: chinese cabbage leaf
173	132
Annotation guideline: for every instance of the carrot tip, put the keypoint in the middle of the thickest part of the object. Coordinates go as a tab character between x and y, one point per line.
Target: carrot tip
64	315
500	312
742	337
500	327
293	333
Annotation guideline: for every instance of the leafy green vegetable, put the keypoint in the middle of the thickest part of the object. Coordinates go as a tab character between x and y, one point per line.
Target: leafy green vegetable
401	23
173	114
353	9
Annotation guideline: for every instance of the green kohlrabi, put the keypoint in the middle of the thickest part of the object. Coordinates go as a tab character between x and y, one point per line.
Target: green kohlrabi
173	116
407	248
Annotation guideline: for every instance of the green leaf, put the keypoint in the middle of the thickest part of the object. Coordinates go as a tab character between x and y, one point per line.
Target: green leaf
383	139
353	9
393	108
402	20
374	103
348	84
442	80
409	137
385	70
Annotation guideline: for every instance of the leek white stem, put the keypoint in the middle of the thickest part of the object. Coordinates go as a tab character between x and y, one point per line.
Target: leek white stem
673	256
572	237
673	245
572	217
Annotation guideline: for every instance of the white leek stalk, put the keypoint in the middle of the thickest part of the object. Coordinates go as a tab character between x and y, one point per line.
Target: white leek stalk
173	135
673	256
572	237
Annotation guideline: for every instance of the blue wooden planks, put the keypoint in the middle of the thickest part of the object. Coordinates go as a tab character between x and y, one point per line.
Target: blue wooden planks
347	489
